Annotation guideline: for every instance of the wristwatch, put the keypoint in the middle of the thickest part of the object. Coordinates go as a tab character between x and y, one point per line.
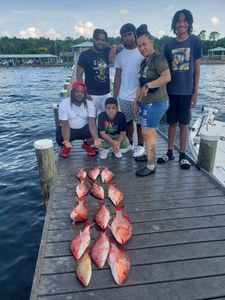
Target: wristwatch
146	86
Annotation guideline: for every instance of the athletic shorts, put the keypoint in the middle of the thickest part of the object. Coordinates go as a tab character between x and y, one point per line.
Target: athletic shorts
179	109
75	134
99	102
127	107
152	113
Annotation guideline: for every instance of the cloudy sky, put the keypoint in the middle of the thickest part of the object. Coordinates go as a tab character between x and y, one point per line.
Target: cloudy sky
62	18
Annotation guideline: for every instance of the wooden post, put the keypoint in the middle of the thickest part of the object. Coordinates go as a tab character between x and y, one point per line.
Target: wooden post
56	114
46	165
207	152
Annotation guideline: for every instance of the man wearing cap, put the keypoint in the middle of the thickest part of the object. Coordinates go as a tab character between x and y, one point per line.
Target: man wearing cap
127	64
77	121
94	64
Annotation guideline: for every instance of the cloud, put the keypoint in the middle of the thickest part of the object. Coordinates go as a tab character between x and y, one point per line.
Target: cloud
84	29
52	34
31	32
215	21
7	33
19	12
124	12
161	33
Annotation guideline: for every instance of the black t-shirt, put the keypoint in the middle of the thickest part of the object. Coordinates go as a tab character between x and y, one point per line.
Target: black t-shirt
112	126
96	68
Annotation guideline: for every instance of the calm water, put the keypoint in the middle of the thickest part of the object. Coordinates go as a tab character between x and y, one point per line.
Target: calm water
26	98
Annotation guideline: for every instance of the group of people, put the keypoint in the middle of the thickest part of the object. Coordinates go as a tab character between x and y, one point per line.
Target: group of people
147	85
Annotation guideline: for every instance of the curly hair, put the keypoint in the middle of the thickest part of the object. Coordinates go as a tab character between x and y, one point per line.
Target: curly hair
188	17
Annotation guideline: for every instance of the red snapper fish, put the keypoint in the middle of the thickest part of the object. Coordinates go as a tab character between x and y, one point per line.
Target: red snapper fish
97	191
121	226
81	241
84	269
81	175
82	189
93	174
102	216
100	249
106	175
119	263
80	212
115	195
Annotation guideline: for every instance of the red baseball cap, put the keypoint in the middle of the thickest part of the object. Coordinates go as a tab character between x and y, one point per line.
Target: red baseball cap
79	83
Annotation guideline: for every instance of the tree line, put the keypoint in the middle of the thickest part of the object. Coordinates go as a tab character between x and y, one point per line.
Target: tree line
45	45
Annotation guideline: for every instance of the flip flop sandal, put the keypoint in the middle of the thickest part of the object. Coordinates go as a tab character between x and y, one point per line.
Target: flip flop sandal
184	164
165	158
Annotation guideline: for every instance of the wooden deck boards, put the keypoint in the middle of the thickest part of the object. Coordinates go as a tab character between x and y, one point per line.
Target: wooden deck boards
178	247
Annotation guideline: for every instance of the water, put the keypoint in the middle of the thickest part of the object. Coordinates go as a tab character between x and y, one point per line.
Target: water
26	114
26	99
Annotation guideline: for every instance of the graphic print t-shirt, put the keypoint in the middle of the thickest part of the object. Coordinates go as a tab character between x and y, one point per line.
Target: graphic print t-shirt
96	68
181	57
112	126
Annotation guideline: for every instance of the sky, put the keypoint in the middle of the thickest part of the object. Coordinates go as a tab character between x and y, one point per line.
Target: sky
57	19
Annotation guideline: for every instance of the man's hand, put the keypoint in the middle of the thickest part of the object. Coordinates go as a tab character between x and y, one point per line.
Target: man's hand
67	144
116	146
194	100
136	109
97	142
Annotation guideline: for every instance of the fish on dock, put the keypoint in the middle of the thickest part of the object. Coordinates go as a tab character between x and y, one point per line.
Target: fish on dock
80	212
84	268
114	194
119	263
100	249
82	189
121	226
81	241
97	191
107	175
102	216
93	174
81	175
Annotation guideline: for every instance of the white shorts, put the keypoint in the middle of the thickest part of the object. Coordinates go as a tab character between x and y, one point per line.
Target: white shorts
99	102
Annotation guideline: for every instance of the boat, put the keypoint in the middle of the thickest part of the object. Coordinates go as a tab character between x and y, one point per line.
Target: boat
206	124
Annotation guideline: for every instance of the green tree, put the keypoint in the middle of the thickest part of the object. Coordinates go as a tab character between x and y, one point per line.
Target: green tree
214	35
202	35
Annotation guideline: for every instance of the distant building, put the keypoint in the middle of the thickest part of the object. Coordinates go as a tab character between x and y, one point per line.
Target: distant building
77	49
16	60
216	53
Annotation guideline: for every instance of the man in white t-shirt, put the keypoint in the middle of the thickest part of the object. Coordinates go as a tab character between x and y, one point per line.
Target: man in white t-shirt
77	120
127	64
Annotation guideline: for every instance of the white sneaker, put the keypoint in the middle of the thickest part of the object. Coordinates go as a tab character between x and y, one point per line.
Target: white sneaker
139	151
104	153
125	150
118	154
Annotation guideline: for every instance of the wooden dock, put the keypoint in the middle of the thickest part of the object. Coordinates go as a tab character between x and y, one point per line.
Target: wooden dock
178	247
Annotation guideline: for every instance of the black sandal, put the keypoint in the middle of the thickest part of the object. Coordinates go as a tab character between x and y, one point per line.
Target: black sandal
184	164
165	158
145	172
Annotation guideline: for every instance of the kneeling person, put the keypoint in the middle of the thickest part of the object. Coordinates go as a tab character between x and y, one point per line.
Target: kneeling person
77	120
112	128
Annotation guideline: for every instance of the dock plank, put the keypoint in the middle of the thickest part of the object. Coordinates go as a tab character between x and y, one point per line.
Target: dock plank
178	247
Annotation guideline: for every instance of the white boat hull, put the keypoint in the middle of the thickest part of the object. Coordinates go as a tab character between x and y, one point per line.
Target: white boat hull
207	125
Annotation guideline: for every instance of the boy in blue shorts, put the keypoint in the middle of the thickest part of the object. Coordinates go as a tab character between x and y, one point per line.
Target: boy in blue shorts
112	129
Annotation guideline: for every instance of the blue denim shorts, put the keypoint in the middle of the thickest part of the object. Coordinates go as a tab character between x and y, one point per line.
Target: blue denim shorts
152	113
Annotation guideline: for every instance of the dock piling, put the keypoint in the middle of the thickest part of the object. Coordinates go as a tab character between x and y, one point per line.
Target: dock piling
46	165
207	152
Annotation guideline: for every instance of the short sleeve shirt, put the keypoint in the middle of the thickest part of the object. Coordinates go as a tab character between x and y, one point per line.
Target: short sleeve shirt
129	62
96	68
181	57
112	126
150	71
77	116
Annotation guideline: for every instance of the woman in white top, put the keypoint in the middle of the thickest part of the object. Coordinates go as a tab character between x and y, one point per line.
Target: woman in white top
77	121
